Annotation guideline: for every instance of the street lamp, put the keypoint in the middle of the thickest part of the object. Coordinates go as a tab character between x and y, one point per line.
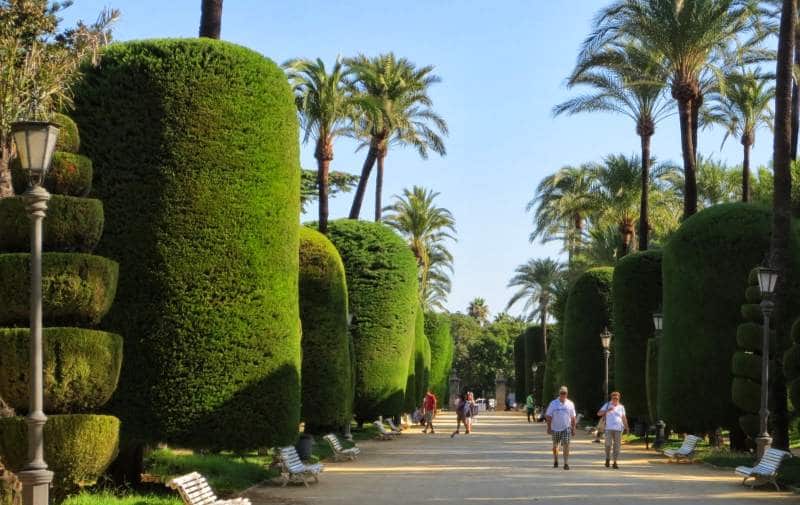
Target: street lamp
605	340
767	278
658	325
36	142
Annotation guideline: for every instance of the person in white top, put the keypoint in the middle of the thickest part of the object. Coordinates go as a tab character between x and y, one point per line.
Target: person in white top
560	416
616	423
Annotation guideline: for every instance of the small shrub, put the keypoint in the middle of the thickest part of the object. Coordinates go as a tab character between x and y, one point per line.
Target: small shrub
70	174
78	448
69	139
77	289
72	225
81	368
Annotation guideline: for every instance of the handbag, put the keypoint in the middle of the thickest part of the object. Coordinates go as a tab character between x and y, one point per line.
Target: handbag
601	426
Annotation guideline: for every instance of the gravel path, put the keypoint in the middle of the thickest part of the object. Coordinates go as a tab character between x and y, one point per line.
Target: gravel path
507	460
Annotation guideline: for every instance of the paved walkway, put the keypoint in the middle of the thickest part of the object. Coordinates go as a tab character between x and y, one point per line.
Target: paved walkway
508	461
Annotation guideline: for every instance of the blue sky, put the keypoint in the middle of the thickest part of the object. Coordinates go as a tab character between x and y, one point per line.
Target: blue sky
502	66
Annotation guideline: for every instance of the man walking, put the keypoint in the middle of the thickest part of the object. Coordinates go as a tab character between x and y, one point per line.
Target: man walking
429	406
560	416
529	406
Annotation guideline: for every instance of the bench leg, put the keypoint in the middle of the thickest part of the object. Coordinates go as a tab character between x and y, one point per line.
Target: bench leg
304	480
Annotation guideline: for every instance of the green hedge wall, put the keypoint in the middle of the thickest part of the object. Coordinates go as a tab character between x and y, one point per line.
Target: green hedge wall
424	379
415	389
78	448
326	375
706	264
382	286
69	139
81	368
791	367
438	331
72	225
519	367
534	353
69	174
636	295
196	155
553	371
588	312
410	394
76	288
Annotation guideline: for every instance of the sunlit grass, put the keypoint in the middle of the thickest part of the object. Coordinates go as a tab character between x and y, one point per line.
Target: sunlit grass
107	498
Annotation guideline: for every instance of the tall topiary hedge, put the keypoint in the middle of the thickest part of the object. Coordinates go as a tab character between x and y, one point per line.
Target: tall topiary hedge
705	271
326	373
382	287
791	366
425	382
519	367
636	295
415	389
437	328
195	151
587	313
534	353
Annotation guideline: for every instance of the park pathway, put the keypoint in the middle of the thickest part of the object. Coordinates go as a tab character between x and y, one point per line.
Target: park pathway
508	461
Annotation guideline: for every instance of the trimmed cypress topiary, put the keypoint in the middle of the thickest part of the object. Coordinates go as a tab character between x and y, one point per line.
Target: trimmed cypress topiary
78	448
534	353
438	331
69	139
72	225
706	264
588	312
424	376
636	295
196	156
382	288
70	174
326	376
519	367
415	389
76	288
81	368
791	367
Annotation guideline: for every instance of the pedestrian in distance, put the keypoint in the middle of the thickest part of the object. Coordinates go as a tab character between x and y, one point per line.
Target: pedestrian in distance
429	408
470	412
529	408
462	406
616	423
561	419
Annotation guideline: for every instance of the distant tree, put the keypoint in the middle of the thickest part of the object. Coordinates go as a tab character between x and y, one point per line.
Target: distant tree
536	283
478	310
210	18
326	108
427	229
338	182
395	111
741	107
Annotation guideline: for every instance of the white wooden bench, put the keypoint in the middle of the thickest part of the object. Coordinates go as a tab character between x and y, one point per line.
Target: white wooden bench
686	450
766	470
383	433
194	490
394	427
294	470
339	452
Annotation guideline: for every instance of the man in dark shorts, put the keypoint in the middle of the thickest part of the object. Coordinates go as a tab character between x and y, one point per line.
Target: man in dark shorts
561	420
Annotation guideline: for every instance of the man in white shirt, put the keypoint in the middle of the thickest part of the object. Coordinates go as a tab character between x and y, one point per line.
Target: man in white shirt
560	416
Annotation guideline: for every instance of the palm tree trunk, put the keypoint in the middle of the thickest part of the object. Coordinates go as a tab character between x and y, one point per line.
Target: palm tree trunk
644	216
361	189
782	207
379	187
544	328
686	115
324	155
696	104
211	18
746	170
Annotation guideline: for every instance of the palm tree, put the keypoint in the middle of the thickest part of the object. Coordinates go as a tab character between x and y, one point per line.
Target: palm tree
325	106
689	35
395	111
536	281
478	310
560	207
426	227
210	18
741	107
627	79
782	204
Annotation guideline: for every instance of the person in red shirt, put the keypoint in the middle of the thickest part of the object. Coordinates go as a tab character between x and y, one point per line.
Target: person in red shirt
429	406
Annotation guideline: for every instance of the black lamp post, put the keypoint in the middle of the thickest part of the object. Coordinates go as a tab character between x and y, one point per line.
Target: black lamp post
658	325
36	142
767	278
605	341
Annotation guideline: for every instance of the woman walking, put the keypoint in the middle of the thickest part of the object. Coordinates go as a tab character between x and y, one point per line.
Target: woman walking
461	418
470	412
616	423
